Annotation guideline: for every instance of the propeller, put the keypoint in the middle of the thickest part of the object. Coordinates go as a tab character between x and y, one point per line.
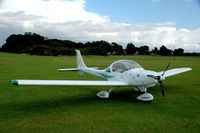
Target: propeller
166	69
160	81
162	88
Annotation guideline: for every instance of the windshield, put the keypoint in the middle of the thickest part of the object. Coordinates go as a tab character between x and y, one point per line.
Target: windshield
124	65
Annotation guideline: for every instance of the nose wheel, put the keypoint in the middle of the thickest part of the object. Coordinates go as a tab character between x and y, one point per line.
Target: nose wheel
104	94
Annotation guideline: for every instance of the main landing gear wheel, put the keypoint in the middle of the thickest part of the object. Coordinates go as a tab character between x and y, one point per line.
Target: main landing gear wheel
104	94
146	97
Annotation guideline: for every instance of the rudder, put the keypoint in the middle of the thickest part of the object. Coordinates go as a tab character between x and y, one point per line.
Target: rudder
79	59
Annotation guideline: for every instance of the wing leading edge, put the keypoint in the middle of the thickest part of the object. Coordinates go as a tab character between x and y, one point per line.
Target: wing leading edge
69	82
175	71
69	69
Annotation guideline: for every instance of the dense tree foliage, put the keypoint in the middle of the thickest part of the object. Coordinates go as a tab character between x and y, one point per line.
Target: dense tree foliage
144	50
164	51
130	49
22	43
155	51
178	52
35	44
116	49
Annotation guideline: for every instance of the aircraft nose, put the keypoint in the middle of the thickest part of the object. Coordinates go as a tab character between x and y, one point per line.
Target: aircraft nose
157	77
162	78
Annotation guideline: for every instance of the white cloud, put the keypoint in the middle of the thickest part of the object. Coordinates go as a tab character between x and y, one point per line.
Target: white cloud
53	11
69	20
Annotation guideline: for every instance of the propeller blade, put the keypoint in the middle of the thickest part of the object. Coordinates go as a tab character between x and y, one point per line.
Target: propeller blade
162	88
160	78
165	69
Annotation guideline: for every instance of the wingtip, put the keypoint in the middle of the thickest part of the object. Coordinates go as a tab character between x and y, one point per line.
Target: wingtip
15	82
58	70
188	68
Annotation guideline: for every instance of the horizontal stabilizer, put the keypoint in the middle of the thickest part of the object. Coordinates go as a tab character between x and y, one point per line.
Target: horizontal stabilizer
69	82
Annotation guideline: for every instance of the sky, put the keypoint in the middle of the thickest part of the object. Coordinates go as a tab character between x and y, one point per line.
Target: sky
173	23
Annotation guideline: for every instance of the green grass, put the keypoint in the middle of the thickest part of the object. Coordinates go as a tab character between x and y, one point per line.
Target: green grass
77	109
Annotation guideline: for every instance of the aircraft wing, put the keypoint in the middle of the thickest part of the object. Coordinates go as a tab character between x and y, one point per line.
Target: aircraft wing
73	69
69	82
175	71
69	69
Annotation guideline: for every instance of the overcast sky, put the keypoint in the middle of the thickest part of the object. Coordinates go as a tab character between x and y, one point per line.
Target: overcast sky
173	23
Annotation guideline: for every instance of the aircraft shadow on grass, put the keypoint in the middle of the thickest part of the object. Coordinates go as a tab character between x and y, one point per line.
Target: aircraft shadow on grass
122	96
50	105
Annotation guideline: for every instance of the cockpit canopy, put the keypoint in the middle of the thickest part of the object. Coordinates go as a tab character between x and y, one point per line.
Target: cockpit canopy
122	66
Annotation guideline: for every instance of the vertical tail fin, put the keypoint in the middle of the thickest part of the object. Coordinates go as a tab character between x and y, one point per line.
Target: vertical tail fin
79	59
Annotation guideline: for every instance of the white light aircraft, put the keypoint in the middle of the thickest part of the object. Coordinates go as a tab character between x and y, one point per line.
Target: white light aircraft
119	73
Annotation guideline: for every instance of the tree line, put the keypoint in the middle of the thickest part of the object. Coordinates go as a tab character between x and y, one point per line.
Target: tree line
35	44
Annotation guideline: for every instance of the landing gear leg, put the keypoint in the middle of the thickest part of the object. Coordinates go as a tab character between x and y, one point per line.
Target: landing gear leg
140	89
104	94
146	97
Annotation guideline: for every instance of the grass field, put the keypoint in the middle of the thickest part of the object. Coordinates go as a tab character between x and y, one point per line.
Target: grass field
50	109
